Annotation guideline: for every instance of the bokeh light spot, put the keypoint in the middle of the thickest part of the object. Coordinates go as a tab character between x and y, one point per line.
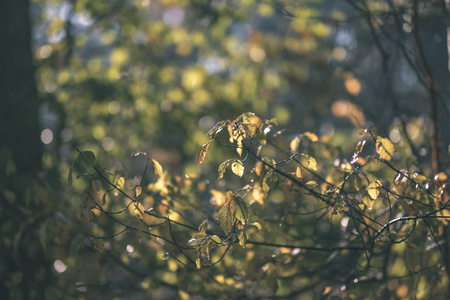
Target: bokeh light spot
47	136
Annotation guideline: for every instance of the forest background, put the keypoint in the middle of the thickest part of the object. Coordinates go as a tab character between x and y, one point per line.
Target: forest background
224	149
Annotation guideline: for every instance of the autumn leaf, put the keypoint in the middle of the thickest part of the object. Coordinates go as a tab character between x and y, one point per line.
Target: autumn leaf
120	182
198	263
223	166
358	150
312	163
216	239
203	151
384	148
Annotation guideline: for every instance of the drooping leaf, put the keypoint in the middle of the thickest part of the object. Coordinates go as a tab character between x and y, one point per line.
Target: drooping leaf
223	166
139	210
270	179
311	183
226	218
198	263
311	136
274	121
104	199
238	168
294	144
358	150
158	168
384	148
70	177
259	167
203	151
374	189
216	239
241	209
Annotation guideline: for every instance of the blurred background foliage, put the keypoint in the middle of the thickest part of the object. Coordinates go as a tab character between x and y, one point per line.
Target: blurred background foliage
116	76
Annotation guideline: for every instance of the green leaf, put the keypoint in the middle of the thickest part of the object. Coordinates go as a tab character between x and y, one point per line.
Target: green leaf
242	239
374	189
412	258
238	168
241	209
216	239
203	226
87	158
272	278
97	244
104	199
70	177
226	218
384	148
158	168
120	182
96	185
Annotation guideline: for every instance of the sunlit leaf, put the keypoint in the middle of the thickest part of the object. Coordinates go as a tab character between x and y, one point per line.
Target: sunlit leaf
139	210
311	183
120	182
158	168
198	263
294	144
202	154
216	239
256	224
312	163
138	191
311	136
298	172
238	168
358	150
374	189
384	148
274	121
241	209
226	218
259	168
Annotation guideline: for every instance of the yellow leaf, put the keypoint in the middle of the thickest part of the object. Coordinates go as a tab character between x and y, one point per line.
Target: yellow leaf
120	182
312	163
294	143
216	239
138	191
374	189
298	172
311	183
384	148
238	168
139	210
198	263
158	168
311	136
258	168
